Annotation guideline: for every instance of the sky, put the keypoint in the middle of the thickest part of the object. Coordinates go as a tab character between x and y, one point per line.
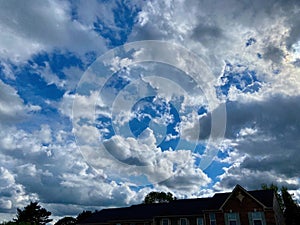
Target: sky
102	102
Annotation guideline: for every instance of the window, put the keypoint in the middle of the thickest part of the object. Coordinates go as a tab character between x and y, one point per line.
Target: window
256	218
165	222
257	222
212	219
200	221
183	221
232	218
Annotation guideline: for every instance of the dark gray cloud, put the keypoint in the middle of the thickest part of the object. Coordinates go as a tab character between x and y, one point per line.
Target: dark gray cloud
271	151
286	162
293	22
252	180
276	116
294	35
273	144
150	32
274	54
206	33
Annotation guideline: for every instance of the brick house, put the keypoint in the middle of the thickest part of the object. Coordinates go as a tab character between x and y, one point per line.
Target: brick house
239	207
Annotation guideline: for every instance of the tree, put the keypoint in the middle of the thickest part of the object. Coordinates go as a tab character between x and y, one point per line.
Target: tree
290	208
68	220
158	197
34	214
274	188
83	215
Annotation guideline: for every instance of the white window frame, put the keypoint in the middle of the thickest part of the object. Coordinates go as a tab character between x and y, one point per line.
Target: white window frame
200	219
232	216
212	221
260	216
165	219
185	219
257	220
233	220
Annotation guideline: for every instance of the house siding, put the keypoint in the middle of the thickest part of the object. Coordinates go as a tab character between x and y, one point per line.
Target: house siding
246	205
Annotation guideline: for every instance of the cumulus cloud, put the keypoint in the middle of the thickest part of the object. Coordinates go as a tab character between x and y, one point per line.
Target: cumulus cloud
34	174
224	37
13	194
12	107
262	125
33	27
188	180
229	26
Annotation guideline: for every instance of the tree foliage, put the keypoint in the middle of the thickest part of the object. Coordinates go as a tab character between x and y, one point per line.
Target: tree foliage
290	208
83	215
276	190
158	197
68	220
33	214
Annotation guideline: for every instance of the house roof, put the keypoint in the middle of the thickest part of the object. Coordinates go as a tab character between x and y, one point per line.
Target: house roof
262	197
175	208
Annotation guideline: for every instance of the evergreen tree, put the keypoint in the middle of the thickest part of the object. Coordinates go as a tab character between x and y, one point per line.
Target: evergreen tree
33	214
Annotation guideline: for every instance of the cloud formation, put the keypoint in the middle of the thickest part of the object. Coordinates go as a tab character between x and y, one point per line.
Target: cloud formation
250	49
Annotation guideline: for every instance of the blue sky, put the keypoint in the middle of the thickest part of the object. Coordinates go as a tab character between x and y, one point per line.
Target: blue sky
102	102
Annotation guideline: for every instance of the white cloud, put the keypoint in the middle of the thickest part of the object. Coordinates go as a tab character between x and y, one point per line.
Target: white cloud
33	27
224	35
13	194
44	134
12	107
247	131
127	157
6	178
188	179
189	127
82	107
262	128
35	175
